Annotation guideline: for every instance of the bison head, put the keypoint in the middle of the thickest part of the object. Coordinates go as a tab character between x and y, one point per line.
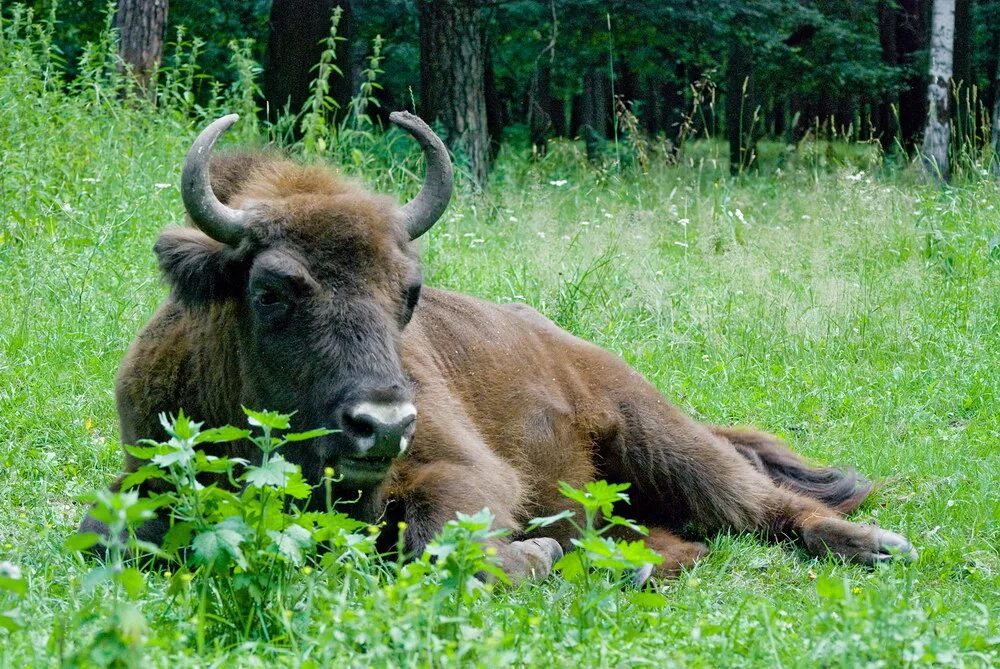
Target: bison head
304	284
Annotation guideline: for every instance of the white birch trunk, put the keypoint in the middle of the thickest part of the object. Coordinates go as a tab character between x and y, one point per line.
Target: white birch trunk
935	149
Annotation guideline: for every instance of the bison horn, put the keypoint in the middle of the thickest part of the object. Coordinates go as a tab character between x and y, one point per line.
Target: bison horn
426	208
215	219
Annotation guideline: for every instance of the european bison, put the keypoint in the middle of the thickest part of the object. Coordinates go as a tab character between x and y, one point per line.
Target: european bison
298	291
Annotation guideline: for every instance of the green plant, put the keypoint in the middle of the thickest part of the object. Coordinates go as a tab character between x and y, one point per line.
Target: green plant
601	564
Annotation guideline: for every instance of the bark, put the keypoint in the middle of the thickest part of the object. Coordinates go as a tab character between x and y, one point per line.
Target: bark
886	121
453	78
297	28
936	136
964	112
741	106
911	39
540	122
594	110
140	26
995	119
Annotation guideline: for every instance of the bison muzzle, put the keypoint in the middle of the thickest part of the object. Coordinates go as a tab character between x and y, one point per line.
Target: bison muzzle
295	290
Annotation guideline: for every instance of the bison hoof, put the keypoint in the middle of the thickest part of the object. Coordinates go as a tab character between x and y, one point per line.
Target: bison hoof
642	574
533	558
865	544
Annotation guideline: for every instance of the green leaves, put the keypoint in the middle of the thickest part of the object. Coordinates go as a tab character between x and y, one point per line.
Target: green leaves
274	472
12	586
222	543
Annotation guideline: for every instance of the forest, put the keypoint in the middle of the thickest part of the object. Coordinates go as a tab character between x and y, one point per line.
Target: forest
533	70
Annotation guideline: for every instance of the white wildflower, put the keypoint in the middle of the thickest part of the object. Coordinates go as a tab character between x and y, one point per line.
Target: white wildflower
558	182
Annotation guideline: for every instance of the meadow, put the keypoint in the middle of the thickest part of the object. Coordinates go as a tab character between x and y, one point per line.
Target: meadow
843	304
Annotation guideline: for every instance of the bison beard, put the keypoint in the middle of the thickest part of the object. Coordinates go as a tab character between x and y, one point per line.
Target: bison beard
298	291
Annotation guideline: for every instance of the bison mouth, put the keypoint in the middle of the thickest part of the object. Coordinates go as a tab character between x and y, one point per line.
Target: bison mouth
362	470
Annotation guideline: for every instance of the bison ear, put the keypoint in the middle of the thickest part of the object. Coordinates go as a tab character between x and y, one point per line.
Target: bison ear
199	269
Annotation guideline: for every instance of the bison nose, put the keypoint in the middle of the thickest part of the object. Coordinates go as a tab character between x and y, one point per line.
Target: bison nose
379	429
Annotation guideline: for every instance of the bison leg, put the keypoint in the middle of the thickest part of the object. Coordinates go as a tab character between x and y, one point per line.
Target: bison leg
431	494
683	472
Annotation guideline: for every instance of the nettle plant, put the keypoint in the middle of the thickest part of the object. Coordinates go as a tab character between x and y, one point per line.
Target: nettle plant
241	553
248	557
602	565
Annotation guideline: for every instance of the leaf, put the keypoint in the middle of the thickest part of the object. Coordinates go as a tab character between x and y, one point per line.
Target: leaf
830	588
95	577
311	434
274	472
80	541
638	554
11	620
545	521
631	524
221	435
291	541
222	542
296	486
271	419
131	579
141	475
178	536
16	585
645	599
332	523
570	566
142	452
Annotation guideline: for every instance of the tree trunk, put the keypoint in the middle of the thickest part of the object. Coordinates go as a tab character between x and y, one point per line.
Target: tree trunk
452	78
911	39
887	20
741	108
995	120
595	110
935	148
295	44
964	112
540	122
140	26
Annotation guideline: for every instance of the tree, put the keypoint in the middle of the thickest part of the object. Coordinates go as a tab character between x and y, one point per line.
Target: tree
935	148
453	76
140	25
298	29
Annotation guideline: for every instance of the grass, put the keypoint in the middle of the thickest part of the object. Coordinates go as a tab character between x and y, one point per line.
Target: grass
856	315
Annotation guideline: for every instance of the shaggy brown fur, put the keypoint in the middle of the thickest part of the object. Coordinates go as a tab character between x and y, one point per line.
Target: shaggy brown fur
509	404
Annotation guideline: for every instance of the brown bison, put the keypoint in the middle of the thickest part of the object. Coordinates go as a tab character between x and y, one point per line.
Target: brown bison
298	291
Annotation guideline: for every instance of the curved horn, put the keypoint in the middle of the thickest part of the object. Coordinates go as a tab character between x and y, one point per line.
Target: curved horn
215	219
426	208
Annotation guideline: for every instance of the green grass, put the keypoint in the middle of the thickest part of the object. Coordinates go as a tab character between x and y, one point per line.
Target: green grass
857	316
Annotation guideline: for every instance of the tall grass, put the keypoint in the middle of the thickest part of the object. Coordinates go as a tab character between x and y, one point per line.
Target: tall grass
847	307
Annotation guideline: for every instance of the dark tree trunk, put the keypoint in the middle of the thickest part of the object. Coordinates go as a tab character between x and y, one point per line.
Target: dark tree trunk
140	26
740	107
886	121
594	110
912	34
540	121
297	29
452	78
964	113
496	113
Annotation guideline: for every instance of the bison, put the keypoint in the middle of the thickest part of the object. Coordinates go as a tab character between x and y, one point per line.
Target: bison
299	291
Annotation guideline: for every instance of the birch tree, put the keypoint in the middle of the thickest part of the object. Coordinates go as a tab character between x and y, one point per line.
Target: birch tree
936	135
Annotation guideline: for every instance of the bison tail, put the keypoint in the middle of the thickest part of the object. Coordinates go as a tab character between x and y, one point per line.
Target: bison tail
842	489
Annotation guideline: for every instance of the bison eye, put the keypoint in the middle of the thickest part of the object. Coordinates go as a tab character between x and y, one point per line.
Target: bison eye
271	304
269	298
